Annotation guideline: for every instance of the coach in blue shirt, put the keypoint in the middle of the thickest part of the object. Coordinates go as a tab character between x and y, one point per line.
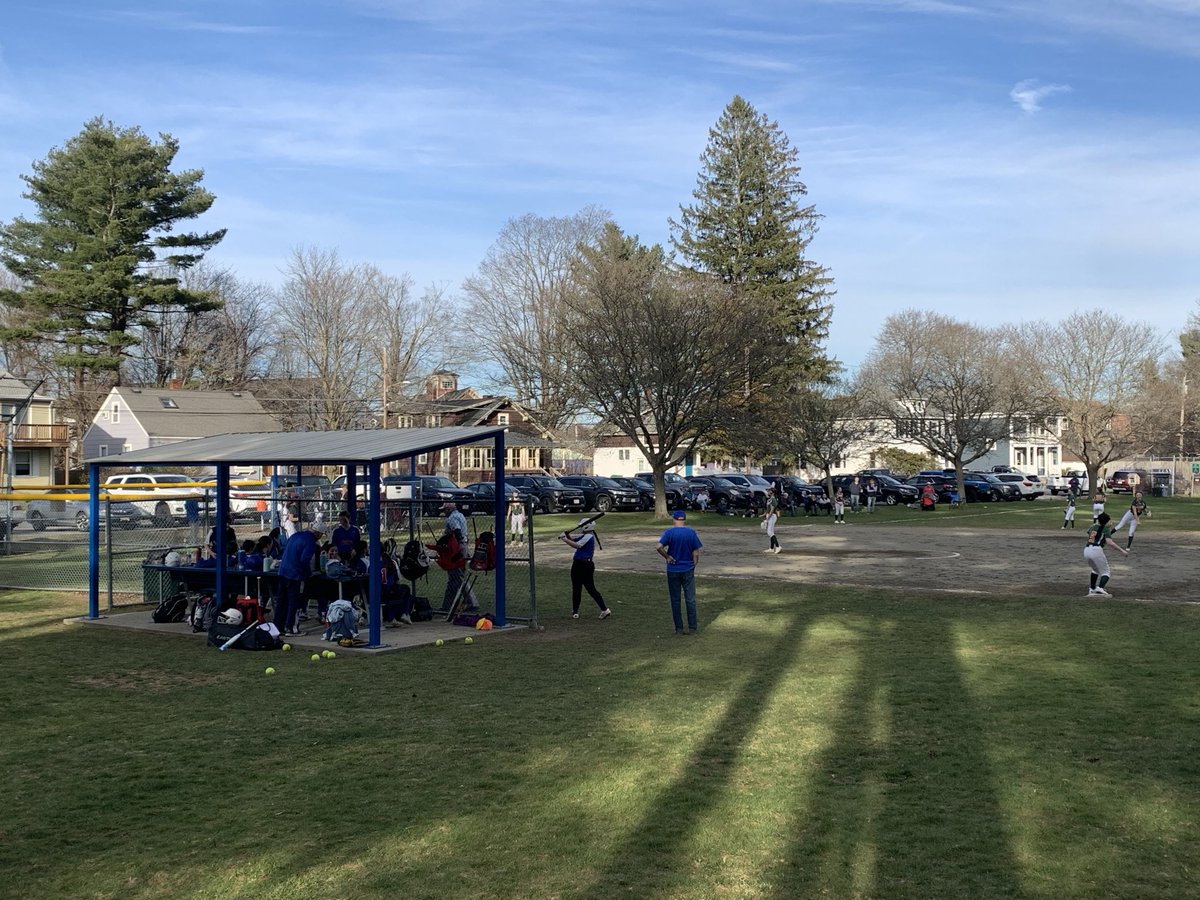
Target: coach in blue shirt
680	547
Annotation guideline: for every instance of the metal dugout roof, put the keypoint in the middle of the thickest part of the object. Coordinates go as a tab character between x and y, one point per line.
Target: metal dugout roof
303	448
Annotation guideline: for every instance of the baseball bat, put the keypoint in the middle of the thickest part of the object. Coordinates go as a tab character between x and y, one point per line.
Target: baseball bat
237	637
589	521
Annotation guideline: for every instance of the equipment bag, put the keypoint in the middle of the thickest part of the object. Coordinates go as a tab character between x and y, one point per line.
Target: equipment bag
204	614
172	609
413	563
422	611
484	557
258	638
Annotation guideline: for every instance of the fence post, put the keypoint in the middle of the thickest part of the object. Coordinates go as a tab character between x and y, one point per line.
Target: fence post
108	544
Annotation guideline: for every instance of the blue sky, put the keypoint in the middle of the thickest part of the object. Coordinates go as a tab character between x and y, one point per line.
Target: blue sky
999	160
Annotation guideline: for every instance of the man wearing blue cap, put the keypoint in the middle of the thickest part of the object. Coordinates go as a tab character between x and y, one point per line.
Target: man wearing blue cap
680	547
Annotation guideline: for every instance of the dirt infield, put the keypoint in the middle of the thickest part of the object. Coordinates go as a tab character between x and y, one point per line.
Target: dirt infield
1035	562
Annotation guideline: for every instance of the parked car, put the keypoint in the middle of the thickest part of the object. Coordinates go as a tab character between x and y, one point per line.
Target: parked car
1030	486
157	499
645	490
434	491
550	494
680	494
757	491
1126	481
74	513
723	494
987	488
797	487
603	494
892	491
943	484
10	511
485	495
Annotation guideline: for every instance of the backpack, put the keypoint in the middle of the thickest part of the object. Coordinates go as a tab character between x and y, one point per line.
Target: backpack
413	564
484	558
204	614
172	609
449	552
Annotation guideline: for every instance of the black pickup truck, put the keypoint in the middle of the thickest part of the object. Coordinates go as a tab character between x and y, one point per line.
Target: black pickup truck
549	494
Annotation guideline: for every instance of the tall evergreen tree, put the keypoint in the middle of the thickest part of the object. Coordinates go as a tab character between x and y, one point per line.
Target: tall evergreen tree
750	227
102	259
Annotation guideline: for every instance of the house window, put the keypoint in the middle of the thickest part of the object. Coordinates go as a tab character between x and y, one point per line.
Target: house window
102	450
167	402
116	413
422	459
433	421
22	462
404	421
444	458
472	458
501	418
512	457
447	383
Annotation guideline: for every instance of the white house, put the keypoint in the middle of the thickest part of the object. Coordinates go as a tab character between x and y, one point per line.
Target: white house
35	431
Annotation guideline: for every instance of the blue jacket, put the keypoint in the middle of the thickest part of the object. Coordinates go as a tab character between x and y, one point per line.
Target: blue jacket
296	562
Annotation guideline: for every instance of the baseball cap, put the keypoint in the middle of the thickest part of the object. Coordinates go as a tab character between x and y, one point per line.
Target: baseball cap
449	504
679	515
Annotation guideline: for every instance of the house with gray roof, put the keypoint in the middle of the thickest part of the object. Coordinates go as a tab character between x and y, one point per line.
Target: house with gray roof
133	418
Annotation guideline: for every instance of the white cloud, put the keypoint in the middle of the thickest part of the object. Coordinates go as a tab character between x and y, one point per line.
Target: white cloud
1030	93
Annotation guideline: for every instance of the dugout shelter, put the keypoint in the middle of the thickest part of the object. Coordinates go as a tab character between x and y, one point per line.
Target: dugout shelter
351	450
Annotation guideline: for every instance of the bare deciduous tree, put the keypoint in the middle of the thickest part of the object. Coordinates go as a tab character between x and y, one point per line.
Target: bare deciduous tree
325	338
654	347
1094	367
516	310
946	385
824	422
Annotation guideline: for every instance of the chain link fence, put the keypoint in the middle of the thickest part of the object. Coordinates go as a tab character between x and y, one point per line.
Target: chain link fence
48	550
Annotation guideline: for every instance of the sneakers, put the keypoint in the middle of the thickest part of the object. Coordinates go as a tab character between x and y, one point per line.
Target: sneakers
406	618
776	549
1092	593
1102	592
574	615
605	613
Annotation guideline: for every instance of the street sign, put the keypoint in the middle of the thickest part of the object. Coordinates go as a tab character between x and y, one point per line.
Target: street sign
1196	468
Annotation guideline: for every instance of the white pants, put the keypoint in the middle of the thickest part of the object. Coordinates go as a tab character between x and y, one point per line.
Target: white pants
1129	520
1096	559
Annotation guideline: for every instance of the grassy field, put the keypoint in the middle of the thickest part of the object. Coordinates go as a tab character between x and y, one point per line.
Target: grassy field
807	743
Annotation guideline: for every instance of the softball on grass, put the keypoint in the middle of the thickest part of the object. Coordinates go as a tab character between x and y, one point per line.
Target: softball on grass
270	670
469	640
286	647
332	655
315	657
438	642
327	654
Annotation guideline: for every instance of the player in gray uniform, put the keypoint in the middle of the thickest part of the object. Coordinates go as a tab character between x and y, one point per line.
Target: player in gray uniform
1133	517
1093	552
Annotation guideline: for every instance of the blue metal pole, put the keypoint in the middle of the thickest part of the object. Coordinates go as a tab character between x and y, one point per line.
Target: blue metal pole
375	552
501	599
94	541
222	520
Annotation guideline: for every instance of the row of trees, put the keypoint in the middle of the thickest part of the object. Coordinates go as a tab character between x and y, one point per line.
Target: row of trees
718	340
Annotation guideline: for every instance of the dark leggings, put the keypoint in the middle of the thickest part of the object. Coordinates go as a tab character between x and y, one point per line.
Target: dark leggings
583	576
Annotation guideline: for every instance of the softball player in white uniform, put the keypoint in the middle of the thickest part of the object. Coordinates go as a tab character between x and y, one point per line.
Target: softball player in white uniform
1132	518
1093	552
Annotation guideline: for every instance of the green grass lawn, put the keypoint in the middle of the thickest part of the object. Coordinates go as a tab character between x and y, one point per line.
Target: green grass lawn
807	743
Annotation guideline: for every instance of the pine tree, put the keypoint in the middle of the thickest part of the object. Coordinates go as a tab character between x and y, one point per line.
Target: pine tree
101	260
750	227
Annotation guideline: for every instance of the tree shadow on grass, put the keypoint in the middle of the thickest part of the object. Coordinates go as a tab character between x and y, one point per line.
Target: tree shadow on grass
902	802
683	806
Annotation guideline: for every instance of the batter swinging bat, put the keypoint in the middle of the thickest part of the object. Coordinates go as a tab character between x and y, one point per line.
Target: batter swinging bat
598	515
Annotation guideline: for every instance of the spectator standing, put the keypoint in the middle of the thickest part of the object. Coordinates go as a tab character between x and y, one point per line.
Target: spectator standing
855	491
295	567
456	576
872	492
583	568
680	546
345	536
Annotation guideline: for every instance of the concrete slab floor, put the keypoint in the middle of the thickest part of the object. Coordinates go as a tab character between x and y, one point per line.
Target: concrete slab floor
419	634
